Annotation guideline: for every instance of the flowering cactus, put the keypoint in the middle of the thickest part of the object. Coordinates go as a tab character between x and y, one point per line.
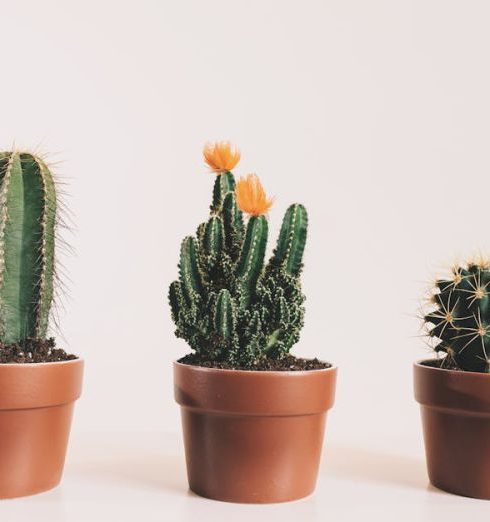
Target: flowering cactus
226	304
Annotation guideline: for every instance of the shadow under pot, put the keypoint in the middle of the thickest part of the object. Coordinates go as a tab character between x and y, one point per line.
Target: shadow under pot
36	406
455	407
253	436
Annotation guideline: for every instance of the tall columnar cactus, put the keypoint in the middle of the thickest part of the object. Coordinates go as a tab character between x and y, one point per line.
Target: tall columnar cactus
27	223
226	304
460	322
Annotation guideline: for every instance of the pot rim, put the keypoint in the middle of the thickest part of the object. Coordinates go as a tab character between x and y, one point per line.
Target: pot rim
477	375
25	386
224	371
254	393
35	365
455	391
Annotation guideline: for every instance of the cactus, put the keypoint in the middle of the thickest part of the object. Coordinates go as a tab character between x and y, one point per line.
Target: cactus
27	238
227	304
460	320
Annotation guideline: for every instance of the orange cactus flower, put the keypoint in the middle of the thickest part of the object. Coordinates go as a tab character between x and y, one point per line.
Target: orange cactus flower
251	197
221	156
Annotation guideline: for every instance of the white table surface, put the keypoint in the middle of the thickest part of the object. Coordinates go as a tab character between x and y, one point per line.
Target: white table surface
141	477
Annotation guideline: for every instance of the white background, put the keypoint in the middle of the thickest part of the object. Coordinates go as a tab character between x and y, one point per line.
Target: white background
374	114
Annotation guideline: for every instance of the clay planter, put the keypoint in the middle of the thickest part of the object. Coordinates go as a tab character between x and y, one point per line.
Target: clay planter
253	436
456	420
36	405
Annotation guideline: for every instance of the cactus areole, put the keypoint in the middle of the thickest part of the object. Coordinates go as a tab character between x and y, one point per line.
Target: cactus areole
233	310
28	216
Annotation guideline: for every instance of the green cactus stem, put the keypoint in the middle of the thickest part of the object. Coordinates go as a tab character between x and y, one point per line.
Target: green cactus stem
225	315
213	237
223	184
251	259
292	239
27	240
176	299
190	276
233	225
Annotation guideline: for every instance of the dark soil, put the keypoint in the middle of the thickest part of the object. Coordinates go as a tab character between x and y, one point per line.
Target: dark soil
287	364
443	364
33	351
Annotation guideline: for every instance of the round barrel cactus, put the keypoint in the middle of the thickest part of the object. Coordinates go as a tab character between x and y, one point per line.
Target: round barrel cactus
460	319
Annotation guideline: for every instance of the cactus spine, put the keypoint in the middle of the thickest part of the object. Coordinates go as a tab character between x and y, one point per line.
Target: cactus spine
226	304
27	240
460	321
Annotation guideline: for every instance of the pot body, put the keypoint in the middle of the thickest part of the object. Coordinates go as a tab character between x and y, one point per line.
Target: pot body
455	407
251	436
36	406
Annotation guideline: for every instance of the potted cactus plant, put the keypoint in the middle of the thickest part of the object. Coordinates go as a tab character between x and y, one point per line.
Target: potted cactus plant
38	382
454	389
253	415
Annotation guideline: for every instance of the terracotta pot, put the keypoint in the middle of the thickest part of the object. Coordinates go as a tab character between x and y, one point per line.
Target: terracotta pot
36	405
253	436
456	420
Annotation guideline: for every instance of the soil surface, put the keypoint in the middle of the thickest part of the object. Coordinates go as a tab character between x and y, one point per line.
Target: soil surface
33	351
288	364
443	364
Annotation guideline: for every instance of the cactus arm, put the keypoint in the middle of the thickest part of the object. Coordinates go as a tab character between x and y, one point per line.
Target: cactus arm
232	215
224	183
213	237
190	276
176	300
233	224
292	240
225	315
251	258
200	233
